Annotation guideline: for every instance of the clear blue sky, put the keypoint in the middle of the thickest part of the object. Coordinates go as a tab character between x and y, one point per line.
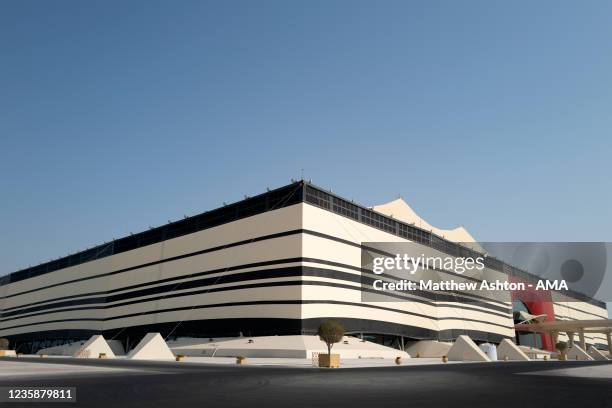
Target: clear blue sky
117	115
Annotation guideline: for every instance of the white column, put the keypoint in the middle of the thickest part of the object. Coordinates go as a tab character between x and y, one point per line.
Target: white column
570	339
609	337
581	337
555	338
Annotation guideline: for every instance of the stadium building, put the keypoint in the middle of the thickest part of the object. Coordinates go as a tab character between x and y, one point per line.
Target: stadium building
275	264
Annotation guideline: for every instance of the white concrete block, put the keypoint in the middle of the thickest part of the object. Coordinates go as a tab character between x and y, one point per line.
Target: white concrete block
510	350
293	346
64	350
428	348
151	347
464	349
93	347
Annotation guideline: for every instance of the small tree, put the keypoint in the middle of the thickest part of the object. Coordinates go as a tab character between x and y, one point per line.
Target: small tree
561	346
330	332
4	344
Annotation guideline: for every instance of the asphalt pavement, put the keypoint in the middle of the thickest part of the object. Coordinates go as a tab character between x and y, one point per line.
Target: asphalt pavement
177	385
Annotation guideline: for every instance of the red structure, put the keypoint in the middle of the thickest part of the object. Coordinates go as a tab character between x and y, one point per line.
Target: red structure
538	302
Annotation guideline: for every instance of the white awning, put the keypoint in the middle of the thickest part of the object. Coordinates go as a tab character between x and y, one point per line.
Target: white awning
529	318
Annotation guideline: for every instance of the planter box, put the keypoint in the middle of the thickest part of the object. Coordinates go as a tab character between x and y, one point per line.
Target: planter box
241	360
329	360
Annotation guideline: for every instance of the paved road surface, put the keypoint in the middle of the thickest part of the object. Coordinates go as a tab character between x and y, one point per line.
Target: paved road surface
179	385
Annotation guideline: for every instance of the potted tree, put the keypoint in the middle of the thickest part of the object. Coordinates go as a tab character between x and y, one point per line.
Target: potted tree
330	332
562	347
4	349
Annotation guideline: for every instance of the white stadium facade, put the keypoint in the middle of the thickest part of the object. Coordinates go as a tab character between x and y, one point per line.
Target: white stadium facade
275	264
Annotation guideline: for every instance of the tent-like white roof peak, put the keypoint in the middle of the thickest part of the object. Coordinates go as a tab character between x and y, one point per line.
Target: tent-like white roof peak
400	210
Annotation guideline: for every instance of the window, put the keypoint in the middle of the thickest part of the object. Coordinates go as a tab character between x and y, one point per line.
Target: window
494	263
345	208
378	221
414	234
523	338
317	197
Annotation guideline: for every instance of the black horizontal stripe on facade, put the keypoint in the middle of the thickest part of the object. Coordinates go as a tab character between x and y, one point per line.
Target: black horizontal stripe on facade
328	201
271	273
161	261
156	282
295	193
242	287
46	303
364	270
296	271
234	244
254	303
271	200
453	299
209	250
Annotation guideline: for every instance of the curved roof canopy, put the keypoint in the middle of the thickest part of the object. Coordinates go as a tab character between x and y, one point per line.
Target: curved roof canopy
400	210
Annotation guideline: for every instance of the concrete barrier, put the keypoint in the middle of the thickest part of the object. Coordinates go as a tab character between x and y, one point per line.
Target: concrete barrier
94	347
508	350
464	349
428	349
151	347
